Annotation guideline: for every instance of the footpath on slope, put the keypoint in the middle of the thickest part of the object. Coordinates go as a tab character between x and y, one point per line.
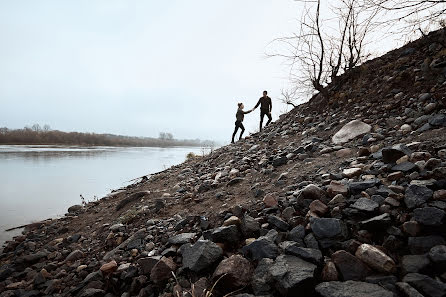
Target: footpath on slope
345	198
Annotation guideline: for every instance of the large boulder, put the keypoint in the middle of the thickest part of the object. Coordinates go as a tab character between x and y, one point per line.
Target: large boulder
201	255
261	248
375	258
417	195
350	131
351	289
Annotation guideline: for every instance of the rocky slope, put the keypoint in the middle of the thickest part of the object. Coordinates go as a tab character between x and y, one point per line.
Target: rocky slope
345	197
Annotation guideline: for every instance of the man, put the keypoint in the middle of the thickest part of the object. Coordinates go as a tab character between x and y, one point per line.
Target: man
265	108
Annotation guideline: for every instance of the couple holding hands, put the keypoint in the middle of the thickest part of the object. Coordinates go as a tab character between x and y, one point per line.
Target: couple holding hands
265	109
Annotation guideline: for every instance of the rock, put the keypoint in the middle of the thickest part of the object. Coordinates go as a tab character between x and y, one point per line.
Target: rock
358	187
297	233
312	192
438	120
74	255
422	244
262	280
131	198
292	274
235	272
250	227
233	220
225	234
278	223
429	216
92	292
364	204
351	289
329	272
391	155
235	181
378	222
146	264
349	267
162	270
181	238
412	228
440	195
408	290
311	255
375	258
318	207
350	131
351	172
414	263
200	255
426	285
437	254
406	128
327	227
405	167
261	248
344	153
336	188
109	267
270	200
75	208
280	161
416	195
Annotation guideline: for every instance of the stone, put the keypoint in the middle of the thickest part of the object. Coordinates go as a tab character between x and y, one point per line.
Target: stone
225	234
336	188
261	248
311	255
235	272
233	220
329	272
312	192
405	167
201	255
349	267
318	207
109	267
350	131
351	172
262	280
412	228
292	274
92	292
162	270
437	254
358	187
392	154
146	264
181	238
351	289
297	233
438	120
426	285
74	255
440	195
376	223
365	204
327	227
416	195
429	216
278	223
344	153
423	244
414	263
235	181
408	290
375	258
75	208
250	227
270	200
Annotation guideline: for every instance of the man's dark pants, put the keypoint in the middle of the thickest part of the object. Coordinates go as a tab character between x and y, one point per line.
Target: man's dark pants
264	112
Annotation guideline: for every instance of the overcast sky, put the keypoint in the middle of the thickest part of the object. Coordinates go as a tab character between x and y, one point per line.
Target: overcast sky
140	67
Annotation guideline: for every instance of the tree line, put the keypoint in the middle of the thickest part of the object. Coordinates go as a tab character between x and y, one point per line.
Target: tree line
46	136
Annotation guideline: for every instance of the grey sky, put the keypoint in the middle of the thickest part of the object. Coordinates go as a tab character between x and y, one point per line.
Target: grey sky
139	67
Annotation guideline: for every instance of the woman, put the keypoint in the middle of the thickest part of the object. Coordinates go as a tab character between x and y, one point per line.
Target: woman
240	115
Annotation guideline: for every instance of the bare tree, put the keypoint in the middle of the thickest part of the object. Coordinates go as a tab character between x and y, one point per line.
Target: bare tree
324	48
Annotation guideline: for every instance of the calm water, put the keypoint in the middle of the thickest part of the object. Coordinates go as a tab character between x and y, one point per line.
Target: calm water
39	182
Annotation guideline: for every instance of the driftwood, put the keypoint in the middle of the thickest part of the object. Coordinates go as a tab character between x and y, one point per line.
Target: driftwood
131	198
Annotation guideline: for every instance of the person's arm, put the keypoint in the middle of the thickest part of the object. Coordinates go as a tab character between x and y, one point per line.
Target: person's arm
257	105
245	112
270	105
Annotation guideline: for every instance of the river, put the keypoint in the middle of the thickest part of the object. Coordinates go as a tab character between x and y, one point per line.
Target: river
40	182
